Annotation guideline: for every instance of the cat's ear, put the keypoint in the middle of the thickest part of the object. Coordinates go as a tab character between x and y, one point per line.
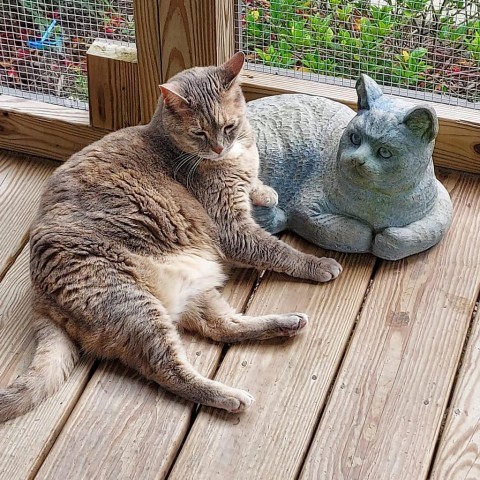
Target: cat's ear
422	121
368	91
171	96
232	68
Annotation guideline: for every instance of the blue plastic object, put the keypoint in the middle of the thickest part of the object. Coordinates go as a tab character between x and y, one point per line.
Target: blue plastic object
44	41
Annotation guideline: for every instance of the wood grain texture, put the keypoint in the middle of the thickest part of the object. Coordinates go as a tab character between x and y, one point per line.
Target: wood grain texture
124	427
21	184
386	407
46	130
25	441
288	378
147	38
113	95
195	33
458	142
458	455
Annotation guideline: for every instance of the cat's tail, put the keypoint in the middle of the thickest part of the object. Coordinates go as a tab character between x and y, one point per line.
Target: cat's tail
52	363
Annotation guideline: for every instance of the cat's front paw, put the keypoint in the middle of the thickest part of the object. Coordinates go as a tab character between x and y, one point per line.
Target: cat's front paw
264	196
326	269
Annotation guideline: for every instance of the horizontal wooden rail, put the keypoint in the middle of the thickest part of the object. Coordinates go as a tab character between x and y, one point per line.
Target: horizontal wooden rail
58	132
42	129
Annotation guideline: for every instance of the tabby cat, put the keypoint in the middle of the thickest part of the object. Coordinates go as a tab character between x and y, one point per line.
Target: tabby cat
130	241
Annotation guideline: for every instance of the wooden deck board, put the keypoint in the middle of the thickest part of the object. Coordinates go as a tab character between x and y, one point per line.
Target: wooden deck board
124	427
21	184
458	454
25	441
289	379
387	405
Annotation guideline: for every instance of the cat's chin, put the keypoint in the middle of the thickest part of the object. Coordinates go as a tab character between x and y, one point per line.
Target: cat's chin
213	158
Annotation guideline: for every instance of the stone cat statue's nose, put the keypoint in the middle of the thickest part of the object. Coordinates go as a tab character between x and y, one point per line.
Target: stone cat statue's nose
217	149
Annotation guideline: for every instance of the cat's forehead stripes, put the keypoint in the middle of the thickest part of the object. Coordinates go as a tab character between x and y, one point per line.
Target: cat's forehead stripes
202	88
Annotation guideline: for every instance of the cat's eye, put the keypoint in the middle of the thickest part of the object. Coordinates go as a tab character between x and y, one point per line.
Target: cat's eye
229	127
200	133
384	152
355	138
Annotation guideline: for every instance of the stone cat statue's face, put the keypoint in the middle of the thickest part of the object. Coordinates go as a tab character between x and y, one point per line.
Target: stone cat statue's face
388	144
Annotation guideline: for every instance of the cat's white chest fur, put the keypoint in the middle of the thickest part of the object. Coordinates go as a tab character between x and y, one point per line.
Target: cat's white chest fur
237	150
245	157
182	278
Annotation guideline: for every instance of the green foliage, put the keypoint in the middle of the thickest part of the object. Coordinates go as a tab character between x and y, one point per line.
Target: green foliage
348	37
410	67
473	41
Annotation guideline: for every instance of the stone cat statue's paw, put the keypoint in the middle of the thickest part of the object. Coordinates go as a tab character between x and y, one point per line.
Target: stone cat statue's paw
273	219
395	243
264	196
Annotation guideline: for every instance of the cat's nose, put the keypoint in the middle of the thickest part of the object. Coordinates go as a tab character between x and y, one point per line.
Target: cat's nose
217	149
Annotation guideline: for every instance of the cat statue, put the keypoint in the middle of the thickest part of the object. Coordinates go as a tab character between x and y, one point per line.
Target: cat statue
351	182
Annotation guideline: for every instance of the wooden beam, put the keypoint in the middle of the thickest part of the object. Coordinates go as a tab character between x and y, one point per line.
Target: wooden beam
42	129
458	451
458	142
147	38
195	33
113	85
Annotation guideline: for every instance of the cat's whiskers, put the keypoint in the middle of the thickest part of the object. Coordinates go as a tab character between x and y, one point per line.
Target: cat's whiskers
241	136
184	159
192	171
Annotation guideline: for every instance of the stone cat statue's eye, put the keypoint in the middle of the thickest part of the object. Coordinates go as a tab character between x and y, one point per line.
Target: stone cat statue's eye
384	152
356	138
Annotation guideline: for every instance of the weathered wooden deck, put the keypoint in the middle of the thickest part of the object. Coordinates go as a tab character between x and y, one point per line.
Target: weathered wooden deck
383	384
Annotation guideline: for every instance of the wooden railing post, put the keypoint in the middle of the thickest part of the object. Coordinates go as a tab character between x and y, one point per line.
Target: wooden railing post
147	39
172	35
195	33
113	85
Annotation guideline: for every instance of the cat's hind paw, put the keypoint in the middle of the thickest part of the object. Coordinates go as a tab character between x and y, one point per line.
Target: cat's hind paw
290	324
236	401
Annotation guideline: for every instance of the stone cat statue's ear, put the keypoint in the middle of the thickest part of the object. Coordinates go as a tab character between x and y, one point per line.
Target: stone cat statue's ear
422	121
171	95
232	67
368	91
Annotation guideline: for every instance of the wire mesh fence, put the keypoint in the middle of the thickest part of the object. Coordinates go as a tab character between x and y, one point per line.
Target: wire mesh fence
427	49
43	45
